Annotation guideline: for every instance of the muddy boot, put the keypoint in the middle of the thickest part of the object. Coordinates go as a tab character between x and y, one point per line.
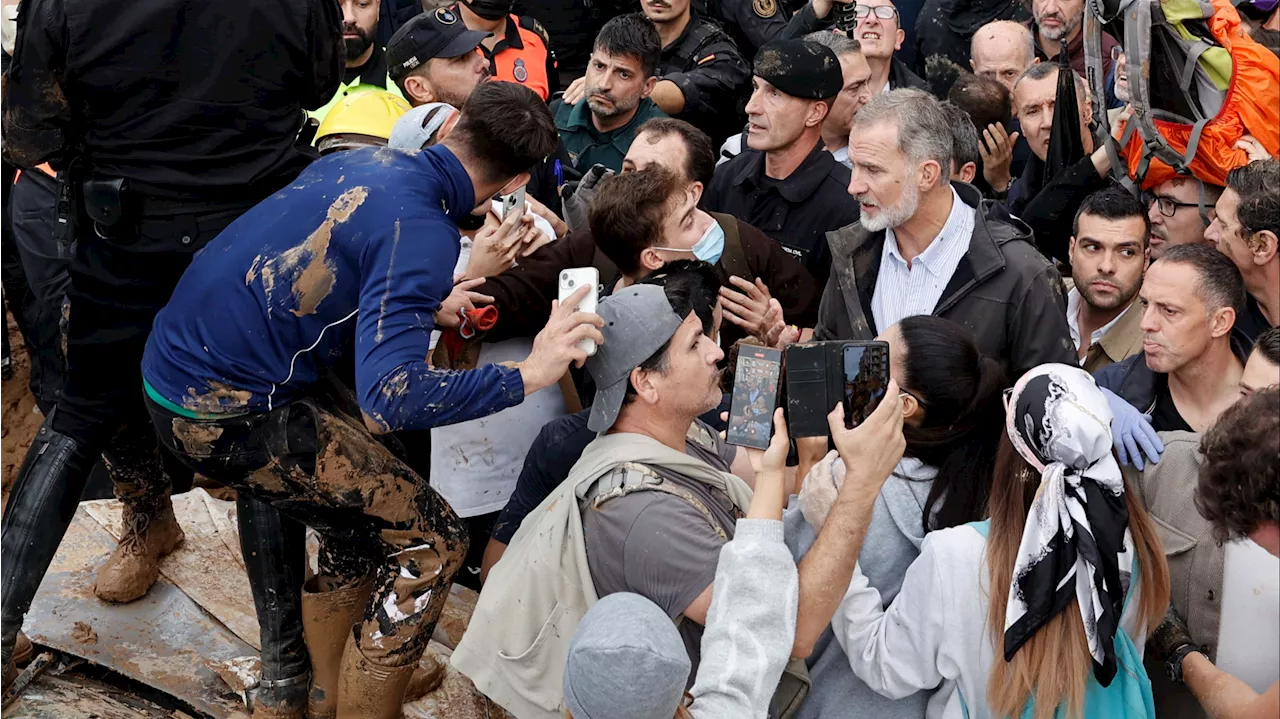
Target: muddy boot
370	691
135	565
327	619
282	698
22	650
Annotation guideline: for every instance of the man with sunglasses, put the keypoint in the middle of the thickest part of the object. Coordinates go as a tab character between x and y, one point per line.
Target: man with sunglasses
1177	215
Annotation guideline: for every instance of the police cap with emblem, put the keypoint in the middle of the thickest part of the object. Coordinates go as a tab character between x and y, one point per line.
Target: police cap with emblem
429	35
800	68
638	321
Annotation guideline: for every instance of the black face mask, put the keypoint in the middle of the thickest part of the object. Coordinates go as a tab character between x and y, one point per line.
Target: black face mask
470	222
489	9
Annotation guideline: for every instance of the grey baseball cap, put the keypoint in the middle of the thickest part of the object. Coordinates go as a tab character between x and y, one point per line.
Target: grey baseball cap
626	661
417	128
638	320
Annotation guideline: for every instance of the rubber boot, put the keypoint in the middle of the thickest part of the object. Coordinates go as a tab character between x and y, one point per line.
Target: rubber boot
135	565
44	500
327	620
370	691
274	550
22	650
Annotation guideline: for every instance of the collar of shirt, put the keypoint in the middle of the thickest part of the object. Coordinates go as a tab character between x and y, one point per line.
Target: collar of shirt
943	254
458	195
842	156
797	186
579	120
1074	298
374	71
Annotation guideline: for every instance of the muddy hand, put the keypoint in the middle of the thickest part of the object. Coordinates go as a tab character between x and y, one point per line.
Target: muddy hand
557	344
494	248
460	301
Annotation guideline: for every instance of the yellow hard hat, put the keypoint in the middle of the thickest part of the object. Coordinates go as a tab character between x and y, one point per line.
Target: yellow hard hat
372	113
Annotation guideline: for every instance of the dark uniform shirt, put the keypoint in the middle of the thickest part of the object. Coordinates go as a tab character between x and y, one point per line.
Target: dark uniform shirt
797	211
705	64
1165	416
572	26
751	23
588	146
192	112
523	55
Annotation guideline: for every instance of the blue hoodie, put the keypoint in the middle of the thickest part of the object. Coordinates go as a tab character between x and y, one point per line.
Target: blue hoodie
351	261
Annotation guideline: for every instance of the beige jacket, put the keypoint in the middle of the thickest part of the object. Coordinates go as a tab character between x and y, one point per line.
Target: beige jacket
1195	559
515	646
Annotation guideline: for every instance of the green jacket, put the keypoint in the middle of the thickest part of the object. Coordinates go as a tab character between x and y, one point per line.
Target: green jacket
588	146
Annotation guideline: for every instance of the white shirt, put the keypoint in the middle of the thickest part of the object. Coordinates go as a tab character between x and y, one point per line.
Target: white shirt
905	292
1073	321
475	464
842	157
1249	635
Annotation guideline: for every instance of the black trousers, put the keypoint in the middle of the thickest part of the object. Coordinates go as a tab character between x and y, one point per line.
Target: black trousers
46	262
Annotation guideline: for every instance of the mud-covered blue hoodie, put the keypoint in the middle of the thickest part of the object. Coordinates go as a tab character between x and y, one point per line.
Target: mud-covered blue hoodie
350	261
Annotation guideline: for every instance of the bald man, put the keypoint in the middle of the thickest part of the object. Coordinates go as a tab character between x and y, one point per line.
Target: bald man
1001	51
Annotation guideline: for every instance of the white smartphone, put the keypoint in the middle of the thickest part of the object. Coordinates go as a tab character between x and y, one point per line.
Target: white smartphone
513	201
574	278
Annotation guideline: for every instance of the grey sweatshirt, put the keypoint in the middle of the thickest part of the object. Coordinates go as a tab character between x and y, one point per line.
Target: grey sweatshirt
751	624
892	544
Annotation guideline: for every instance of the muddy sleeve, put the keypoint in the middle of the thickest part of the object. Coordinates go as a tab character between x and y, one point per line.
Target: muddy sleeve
1037	324
37	115
402	286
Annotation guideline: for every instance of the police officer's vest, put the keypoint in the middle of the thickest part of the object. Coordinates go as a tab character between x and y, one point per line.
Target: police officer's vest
528	65
686	54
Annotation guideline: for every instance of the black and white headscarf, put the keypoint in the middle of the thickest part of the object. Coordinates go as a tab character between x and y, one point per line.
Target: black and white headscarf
1076	540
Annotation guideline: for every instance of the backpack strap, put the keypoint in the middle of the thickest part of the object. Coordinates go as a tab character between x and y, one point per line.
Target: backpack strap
636	477
734	258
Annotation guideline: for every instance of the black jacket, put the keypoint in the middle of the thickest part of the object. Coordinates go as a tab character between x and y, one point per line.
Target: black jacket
1004	292
181	98
705	64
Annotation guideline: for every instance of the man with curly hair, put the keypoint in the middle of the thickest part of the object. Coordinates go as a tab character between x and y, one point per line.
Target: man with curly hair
1239	494
1247	229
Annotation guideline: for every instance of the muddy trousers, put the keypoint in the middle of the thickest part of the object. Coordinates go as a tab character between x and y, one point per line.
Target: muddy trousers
325	470
119	280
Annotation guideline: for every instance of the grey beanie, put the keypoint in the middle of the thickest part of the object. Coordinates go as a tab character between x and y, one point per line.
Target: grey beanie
626	661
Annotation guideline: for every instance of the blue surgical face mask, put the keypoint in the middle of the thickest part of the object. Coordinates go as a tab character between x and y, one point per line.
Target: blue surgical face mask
711	246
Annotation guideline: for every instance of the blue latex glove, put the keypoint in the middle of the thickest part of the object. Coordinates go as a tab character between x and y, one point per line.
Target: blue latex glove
1131	433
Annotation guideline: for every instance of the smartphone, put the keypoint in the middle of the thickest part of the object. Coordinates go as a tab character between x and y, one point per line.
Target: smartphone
807	389
570	280
512	202
755	395
866	379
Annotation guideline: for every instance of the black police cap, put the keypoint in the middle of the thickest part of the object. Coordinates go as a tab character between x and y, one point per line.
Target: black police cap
432	34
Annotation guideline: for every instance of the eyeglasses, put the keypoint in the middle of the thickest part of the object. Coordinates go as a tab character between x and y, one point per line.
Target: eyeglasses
1168	206
884	12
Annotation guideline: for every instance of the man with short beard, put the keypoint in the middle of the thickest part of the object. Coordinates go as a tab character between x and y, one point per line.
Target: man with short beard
1060	23
924	245
856	73
435	58
366	62
598	118
1108	257
1177	217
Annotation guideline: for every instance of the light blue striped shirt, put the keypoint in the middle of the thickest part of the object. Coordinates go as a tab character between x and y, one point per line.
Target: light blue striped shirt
903	291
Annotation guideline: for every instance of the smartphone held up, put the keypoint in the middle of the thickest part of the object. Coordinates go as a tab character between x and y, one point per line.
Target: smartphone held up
820	374
755	395
570	281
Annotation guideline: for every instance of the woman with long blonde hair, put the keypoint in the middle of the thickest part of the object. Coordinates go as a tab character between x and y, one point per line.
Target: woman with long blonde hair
1042	610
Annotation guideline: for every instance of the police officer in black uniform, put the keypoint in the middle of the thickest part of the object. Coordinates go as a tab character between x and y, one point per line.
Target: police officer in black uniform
572	26
167	119
795	204
701	77
751	23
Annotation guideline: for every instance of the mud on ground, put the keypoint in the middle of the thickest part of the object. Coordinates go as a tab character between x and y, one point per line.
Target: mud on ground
20	419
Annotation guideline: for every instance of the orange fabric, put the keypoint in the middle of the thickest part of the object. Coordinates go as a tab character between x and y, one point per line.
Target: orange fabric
529	63
1251	107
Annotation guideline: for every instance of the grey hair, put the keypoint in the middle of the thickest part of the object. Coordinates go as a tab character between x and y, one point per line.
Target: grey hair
924	132
1042	70
836	42
1023	32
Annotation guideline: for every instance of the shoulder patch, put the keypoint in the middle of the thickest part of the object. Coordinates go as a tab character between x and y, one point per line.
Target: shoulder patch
765	8
529	23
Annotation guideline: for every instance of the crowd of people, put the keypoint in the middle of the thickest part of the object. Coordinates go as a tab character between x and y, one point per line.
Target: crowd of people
316	250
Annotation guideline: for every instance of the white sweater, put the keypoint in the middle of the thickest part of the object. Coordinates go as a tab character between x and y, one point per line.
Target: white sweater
935	632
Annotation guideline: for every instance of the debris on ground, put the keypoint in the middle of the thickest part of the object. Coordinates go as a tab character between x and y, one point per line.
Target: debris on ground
83	633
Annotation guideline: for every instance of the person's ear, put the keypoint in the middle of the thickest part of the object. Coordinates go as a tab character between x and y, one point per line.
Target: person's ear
447	126
912	412
1071	251
648	87
902	35
650	260
817	113
968	172
697	189
1221	322
419	90
514	184
972	67
646	389
931	175
1264	246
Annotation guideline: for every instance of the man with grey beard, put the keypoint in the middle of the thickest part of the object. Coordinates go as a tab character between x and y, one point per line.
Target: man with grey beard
600	112
927	245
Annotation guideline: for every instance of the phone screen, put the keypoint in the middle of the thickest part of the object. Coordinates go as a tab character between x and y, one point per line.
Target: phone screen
866	377
755	394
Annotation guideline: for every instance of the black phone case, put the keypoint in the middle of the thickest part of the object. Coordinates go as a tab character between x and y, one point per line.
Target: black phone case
815	383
